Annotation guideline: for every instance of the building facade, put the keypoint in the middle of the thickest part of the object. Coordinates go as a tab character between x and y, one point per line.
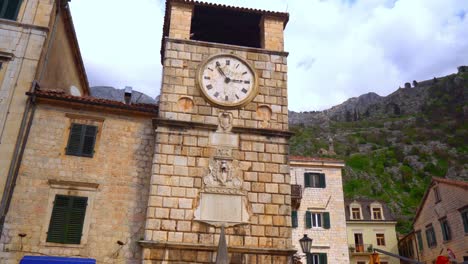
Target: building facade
37	45
119	182
370	224
318	209
441	222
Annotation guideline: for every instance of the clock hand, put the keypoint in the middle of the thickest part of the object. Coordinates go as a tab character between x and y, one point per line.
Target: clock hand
226	79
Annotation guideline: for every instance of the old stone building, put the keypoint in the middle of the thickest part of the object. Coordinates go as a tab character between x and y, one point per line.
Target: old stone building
119	182
318	208
37	45
441	223
370	224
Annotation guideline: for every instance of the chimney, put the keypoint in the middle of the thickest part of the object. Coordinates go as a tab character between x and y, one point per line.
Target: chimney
128	94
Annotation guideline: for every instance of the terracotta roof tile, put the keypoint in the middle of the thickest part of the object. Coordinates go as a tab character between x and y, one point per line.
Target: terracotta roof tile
303	158
60	95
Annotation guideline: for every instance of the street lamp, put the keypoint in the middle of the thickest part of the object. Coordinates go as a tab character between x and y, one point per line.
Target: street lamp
306	244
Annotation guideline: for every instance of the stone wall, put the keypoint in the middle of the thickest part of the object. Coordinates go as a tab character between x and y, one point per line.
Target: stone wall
331	241
182	59
115	180
180	162
21	44
452	198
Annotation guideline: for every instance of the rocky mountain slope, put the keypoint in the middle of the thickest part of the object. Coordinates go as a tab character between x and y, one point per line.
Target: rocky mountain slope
393	145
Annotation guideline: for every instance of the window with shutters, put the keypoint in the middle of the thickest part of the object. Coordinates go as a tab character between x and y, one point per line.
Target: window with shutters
430	236
380	239
294	221
66	221
420	240
317	258
9	9
444	226
464	218
81	140
318	220
314	180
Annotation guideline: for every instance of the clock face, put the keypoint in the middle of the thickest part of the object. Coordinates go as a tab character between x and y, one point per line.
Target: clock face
227	80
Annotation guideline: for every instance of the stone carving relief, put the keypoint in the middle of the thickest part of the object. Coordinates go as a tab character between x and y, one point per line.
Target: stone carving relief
225	121
222	173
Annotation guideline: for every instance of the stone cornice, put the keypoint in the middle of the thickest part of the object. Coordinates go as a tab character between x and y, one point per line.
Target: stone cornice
226	46
247	130
23	25
211	247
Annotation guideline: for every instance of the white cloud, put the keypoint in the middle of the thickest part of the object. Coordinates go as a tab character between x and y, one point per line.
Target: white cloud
338	48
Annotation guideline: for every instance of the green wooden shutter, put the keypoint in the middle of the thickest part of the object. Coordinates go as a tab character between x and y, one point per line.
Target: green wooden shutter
9	9
323	258
74	140
76	220
428	238
89	139
444	233
420	241
308	219
57	226
322	183
465	221
66	222
326	220
307	181
294	219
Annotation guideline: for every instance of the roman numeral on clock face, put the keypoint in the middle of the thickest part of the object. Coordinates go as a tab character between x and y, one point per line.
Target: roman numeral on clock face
209	87
216	94
244	90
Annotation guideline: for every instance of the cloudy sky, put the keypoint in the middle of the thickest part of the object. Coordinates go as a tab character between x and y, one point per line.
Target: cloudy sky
338	48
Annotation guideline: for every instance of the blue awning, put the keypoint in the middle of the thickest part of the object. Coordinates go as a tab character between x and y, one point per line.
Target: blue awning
55	260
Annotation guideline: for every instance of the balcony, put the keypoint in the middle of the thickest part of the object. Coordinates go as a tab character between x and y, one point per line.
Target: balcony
296	195
361	249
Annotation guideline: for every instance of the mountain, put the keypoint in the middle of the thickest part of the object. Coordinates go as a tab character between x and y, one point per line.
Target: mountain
111	93
393	145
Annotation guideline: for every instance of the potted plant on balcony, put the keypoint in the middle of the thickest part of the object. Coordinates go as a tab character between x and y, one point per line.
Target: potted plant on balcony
370	248
352	249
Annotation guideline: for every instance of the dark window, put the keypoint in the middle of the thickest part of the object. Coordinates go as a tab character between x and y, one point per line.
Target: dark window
314	180
377	213
317	258
446	233
225	26
437	194
81	141
294	219
464	215
380	239
420	241
9	9
66	222
430	236
356	213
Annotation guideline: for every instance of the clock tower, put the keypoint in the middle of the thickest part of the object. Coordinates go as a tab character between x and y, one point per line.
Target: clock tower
221	149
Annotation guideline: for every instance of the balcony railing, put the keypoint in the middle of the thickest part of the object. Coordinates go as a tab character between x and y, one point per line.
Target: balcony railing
361	248
296	195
